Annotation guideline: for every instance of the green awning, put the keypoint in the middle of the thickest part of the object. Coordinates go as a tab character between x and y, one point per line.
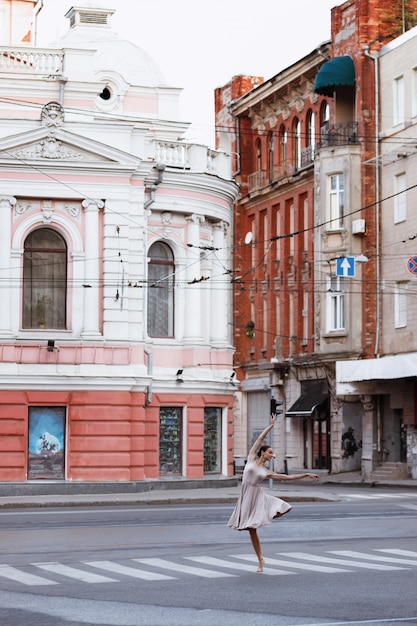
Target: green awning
339	71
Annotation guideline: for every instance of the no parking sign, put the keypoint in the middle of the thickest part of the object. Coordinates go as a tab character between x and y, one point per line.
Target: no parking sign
412	265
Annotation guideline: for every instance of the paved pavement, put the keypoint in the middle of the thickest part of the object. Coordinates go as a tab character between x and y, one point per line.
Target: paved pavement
209	491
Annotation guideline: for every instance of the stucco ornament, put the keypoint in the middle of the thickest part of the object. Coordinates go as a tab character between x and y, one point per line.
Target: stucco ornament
52	115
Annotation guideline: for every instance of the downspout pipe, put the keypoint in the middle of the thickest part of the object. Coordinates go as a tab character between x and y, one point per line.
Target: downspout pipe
149	371
377	207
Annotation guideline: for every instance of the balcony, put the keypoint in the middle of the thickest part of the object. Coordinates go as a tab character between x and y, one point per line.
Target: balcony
263	178
340	134
22	60
191	157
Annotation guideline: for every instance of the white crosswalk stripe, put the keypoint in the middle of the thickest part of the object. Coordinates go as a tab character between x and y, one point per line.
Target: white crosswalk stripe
302	566
209	560
373	557
23	577
72	572
115	568
380	496
325	559
286	564
186	569
399	552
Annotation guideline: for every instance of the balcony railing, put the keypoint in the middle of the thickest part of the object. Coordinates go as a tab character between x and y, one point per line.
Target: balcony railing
262	178
307	156
193	157
23	60
340	134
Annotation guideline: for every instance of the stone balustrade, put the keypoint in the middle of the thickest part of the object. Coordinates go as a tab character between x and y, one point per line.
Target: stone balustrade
17	60
192	157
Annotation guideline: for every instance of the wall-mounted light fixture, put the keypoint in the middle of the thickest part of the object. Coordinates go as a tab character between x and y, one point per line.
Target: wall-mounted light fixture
179	376
51	345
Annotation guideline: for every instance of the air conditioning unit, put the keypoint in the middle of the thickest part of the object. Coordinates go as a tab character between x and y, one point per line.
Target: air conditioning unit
358	227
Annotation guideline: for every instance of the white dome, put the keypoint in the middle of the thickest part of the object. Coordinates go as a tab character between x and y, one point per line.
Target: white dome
113	53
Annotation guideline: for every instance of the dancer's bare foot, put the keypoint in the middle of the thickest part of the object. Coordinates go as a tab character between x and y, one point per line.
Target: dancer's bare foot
261	565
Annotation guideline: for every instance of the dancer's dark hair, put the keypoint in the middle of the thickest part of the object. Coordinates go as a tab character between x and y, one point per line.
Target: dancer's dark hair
262	449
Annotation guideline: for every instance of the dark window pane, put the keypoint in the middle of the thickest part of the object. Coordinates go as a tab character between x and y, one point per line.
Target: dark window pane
44	280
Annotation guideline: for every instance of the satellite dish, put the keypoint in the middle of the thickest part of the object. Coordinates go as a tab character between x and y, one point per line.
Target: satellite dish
248	237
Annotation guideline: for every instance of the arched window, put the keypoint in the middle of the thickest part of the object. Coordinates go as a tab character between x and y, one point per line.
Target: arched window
324	113
296	143
282	146
271	156
44	280
311	130
258	155
160	291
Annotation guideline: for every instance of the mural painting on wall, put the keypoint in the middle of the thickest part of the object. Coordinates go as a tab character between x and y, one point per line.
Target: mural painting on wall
46	443
349	444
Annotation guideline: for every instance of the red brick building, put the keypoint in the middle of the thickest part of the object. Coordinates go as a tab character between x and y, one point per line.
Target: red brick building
307	240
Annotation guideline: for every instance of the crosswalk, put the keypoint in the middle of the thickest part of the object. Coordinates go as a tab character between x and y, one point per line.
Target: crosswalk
206	566
380	495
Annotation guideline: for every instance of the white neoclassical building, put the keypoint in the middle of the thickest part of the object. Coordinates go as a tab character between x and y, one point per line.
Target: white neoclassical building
115	336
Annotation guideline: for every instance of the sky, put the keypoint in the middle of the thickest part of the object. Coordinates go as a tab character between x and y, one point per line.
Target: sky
201	44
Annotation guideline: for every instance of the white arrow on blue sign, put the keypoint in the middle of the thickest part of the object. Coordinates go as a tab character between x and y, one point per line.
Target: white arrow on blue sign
345	266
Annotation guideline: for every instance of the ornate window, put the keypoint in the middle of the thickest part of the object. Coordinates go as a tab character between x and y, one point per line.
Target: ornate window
296	143
44	280
271	156
282	146
160	290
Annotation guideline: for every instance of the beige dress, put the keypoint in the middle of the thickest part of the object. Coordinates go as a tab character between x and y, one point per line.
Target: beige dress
255	508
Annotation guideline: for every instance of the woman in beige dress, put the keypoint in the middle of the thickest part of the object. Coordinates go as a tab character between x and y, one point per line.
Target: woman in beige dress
255	508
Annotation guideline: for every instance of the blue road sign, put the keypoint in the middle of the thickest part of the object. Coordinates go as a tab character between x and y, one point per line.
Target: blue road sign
412	265
345	266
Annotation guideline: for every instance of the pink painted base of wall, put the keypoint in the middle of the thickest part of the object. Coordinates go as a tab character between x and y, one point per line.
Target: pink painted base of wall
110	436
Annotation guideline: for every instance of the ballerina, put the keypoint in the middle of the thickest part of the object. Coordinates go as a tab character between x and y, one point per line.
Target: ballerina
255	508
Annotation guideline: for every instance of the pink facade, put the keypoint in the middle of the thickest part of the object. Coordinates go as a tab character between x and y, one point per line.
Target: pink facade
115	344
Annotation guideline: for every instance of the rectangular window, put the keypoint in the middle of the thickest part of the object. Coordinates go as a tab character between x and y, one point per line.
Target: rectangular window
400	304
335	304
46	441
336	201
212	440
398	112
400	205
170	441
414	93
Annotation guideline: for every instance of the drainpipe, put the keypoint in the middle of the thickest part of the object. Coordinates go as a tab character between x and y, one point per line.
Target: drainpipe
377	209
149	371
160	168
36	10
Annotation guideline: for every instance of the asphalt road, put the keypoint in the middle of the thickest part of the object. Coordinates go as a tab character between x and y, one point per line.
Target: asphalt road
344	563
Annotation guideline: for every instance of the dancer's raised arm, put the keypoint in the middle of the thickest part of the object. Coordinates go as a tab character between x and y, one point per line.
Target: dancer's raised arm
258	442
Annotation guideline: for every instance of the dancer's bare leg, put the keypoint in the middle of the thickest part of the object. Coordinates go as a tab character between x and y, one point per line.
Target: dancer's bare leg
257	547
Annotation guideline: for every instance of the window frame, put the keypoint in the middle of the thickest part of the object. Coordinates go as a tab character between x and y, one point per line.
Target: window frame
44	293
398	112
400	304
400	198
335	201
335	304
152	302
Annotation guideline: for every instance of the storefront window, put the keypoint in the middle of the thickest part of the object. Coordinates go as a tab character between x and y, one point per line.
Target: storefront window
212	440
170	440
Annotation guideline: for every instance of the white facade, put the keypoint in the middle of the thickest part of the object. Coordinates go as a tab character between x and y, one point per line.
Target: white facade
91	149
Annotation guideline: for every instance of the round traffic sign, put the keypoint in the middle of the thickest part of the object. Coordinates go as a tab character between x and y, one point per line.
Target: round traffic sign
412	265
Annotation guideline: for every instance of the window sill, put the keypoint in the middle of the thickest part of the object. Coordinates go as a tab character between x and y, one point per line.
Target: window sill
331	334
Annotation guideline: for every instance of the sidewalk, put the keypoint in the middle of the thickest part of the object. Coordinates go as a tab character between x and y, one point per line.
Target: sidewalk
170	492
